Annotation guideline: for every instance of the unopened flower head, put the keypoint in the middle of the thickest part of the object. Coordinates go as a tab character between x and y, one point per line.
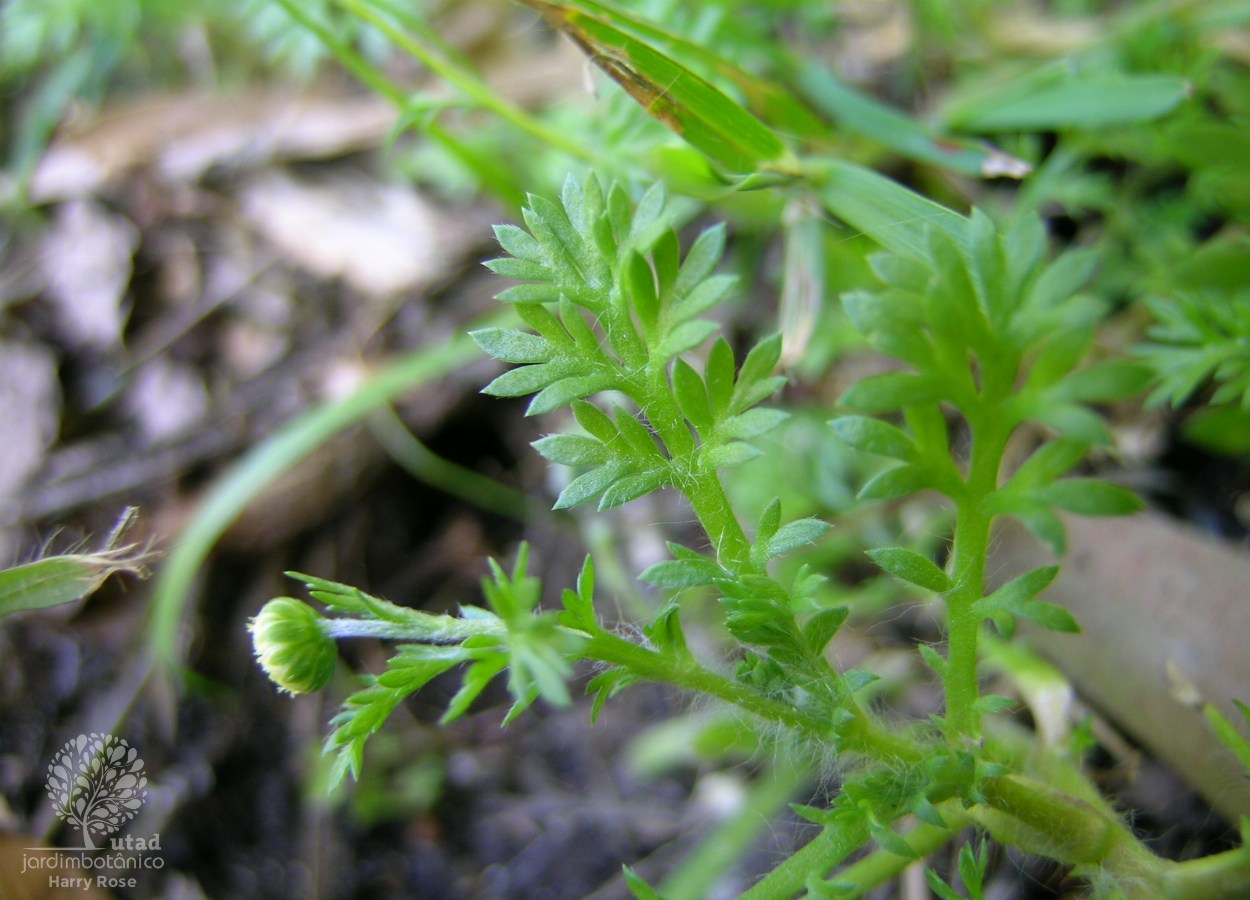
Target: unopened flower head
292	645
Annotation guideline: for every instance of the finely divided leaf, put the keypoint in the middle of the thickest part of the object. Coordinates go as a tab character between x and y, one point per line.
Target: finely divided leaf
1017	598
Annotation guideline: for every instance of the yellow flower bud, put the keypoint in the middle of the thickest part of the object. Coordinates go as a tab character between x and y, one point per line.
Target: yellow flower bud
292	645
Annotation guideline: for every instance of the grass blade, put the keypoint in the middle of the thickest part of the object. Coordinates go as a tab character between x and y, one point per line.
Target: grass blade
1096	100
771	102
716	854
428	467
884	210
683	101
264	463
901	133
433	54
496	177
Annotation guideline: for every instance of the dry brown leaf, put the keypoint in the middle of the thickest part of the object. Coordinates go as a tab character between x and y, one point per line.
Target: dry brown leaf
186	134
379	238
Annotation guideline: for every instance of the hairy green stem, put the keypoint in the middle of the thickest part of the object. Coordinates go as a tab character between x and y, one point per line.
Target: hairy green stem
1028	814
703	489
880	866
972	530
817	857
722	526
1217	877
686	673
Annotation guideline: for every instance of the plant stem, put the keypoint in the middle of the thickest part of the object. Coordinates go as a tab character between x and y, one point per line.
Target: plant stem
428	467
686	673
1039	819
817	857
722	526
467	82
439	630
1217	877
861	735
880	866
716	854
703	489
972	529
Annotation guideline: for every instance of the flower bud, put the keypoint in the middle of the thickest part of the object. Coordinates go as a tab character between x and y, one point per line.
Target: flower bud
292	645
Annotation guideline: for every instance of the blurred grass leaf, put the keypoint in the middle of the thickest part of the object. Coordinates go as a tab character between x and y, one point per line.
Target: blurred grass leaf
1228	734
903	134
1094	100
894	216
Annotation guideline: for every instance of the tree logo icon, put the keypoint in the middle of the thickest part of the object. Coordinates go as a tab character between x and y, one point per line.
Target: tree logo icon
96	783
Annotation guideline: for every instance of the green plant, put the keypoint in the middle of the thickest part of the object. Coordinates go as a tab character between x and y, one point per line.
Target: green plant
989	332
993	341
1199	338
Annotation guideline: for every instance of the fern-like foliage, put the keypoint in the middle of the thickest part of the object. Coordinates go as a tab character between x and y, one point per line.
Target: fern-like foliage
990	330
1197	338
511	635
596	256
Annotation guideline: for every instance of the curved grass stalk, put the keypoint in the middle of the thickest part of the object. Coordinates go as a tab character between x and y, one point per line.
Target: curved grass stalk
263	464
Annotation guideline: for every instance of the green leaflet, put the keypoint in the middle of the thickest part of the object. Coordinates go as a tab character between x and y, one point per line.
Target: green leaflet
54	580
1227	732
911	567
638	887
820	628
1017	598
58	579
875	436
1089	497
